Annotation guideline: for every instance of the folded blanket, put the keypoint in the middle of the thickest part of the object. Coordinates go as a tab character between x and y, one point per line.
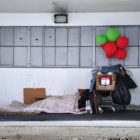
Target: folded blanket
15	106
56	104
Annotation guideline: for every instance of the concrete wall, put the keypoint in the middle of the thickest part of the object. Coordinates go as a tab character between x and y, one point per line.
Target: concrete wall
58	81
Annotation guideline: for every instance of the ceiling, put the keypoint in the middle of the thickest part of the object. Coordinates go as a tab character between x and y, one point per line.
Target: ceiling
50	6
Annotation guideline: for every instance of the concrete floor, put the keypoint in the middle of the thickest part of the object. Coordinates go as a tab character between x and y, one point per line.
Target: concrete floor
127	115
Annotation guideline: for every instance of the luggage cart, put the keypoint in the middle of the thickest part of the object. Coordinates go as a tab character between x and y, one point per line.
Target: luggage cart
104	83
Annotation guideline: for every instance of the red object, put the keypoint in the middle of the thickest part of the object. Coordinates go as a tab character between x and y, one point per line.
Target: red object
121	54
122	42
102	46
105	81
110	48
108	56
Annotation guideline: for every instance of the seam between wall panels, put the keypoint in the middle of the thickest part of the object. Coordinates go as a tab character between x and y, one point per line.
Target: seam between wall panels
67	45
123	35
128	46
43	46
0	45
95	46
54	46
29	47
12	48
138	44
92	45
68	29
80	47
13	45
110	60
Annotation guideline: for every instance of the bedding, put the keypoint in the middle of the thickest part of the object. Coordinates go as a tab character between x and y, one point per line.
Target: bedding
52	104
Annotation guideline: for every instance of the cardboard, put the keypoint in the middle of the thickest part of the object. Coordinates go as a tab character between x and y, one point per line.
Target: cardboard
31	95
80	91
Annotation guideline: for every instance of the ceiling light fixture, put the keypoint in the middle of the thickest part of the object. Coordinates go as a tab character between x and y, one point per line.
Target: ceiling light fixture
60	18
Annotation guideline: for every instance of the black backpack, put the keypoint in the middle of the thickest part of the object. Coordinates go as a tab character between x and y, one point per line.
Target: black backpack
121	95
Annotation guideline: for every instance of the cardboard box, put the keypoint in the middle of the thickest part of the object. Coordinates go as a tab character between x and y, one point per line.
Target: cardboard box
31	95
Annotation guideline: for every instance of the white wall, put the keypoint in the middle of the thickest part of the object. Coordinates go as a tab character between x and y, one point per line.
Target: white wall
58	81
75	19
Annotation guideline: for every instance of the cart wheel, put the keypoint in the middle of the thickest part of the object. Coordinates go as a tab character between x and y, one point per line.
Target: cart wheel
123	108
100	110
113	109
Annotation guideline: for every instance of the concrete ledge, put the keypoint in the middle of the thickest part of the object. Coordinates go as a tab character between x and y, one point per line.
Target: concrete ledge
129	124
69	133
70	130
